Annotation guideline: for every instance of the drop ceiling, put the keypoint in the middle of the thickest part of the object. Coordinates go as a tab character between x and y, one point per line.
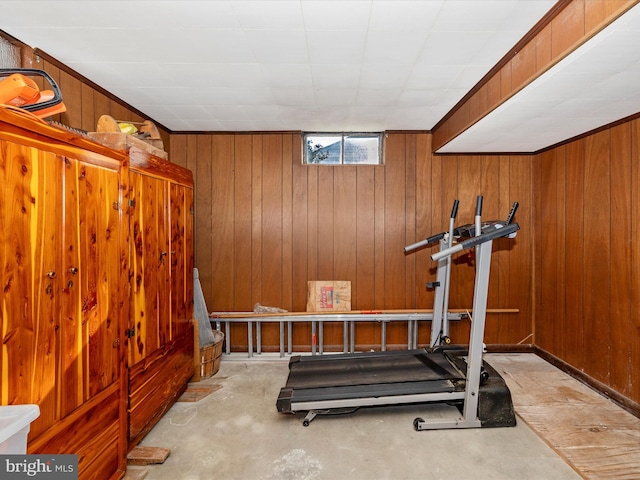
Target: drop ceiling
325	65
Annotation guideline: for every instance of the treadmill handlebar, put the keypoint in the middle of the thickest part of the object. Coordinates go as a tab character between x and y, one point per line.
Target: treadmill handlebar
479	206
433	238
454	210
500	231
423	243
512	213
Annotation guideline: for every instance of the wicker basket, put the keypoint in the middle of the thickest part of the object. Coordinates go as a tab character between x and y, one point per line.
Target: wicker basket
210	355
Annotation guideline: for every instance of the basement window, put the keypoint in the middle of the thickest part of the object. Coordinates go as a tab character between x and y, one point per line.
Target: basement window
343	148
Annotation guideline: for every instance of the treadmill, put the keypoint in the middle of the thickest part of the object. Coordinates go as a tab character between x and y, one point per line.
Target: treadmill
456	375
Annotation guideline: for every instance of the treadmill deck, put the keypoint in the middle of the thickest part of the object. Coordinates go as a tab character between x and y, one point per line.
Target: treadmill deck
370	369
344	382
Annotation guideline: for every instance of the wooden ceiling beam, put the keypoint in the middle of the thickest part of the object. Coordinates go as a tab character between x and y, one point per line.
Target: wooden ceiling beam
566	27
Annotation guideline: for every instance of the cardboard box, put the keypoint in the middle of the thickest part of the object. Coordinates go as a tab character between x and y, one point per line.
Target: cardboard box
329	296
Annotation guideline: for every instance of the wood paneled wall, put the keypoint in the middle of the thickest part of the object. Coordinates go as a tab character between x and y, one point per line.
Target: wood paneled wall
266	224
587	262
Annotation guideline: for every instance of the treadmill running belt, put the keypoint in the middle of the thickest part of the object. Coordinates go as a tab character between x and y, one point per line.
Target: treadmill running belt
370	370
367	391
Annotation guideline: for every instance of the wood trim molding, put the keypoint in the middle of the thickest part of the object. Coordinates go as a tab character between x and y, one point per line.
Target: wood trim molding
513	348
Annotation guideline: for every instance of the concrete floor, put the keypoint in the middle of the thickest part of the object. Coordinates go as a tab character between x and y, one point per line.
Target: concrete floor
236	433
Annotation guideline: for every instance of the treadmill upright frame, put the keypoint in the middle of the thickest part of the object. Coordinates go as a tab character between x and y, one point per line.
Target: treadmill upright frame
471	392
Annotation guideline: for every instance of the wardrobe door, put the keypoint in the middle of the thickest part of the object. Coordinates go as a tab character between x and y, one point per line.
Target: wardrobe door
150	263
60	250
90	278
181	201
30	246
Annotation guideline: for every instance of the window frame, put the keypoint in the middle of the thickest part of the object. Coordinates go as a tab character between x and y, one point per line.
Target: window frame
343	137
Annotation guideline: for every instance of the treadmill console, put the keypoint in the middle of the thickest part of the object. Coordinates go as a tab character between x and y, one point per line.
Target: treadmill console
469	230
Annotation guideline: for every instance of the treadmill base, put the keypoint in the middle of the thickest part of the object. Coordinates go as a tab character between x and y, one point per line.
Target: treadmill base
495	407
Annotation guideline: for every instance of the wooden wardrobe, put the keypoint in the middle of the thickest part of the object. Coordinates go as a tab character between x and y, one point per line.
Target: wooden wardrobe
96	329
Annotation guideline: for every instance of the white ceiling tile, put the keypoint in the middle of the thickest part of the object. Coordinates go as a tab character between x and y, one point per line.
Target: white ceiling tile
110	14
287	75
615	110
433	77
335	76
212	46
412	117
616	87
403	16
195	75
378	76
206	75
379	96
226	112
344	46
278	46
235	96
274	15
177	95
335	97
178	125
257	112
28	18
143	96
191	112
454	48
394	47
157	15
122	45
153	110
487	16
583	107
564	85
466	15
293	96
196	124
336	15
419	98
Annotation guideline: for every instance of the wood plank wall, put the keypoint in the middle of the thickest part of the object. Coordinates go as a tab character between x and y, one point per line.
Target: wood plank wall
266	224
587	261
